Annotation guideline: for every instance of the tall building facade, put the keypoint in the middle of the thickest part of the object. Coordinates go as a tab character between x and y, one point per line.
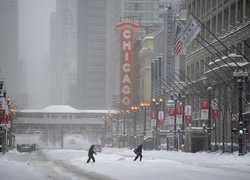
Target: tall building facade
91	55
63	56
9	39
225	26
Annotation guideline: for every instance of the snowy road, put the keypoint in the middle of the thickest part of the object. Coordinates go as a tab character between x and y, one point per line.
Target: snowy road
113	163
54	169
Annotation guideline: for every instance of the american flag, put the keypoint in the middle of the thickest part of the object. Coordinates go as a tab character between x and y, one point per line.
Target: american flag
177	42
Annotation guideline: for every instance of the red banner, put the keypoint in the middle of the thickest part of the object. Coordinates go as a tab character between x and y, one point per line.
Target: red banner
153	114
153	118
188	119
178	110
127	37
215	113
204	103
160	118
170	111
188	114
2	115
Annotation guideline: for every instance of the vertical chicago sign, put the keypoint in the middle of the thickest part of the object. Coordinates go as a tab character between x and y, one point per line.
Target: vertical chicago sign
126	30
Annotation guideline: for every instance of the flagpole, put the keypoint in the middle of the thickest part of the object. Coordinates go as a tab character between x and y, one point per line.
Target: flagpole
213	46
204	94
218	38
221	69
184	93
246	44
217	75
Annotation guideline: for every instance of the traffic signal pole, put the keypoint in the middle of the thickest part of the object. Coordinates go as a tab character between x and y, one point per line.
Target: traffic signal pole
240	125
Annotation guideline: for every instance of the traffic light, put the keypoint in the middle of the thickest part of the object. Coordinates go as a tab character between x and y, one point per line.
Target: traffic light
245	131
240	131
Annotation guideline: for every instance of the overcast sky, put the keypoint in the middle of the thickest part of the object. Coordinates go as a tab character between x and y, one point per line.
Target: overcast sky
34	36
34	46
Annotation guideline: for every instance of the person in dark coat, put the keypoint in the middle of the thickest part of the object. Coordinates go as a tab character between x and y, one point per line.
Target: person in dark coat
138	152
91	154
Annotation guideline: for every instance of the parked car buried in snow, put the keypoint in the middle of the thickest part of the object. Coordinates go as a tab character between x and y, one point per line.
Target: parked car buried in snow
26	147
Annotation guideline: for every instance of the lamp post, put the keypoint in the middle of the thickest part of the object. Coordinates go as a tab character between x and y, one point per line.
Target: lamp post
135	109
171	111
105	118
117	128
1	89
209	89
145	107
124	125
1	85
183	99
175	143
240	77
157	103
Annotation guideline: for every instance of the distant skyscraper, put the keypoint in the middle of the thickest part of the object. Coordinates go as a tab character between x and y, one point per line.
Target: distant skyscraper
9	64
91	55
63	42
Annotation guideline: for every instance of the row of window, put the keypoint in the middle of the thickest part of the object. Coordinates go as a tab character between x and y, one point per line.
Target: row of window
225	16
197	69
62	116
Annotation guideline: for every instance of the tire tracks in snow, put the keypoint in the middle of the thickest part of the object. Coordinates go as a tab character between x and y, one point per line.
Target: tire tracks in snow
72	172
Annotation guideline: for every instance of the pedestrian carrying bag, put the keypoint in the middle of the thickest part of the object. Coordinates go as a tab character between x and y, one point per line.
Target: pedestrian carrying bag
135	151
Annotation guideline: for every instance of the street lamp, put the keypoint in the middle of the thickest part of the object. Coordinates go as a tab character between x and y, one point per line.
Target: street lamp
172	104
117	123
1	94
157	103
145	107
1	85
134	109
171	111
240	77
209	89
124	125
105	118
117	129
183	111
175	143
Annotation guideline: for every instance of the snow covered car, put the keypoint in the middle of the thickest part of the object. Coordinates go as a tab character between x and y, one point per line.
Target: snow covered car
26	147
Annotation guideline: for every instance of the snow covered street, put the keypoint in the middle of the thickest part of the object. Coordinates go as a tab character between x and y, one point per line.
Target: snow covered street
114	163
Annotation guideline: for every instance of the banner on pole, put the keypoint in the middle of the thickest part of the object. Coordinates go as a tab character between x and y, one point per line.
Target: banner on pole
188	114
160	118
204	108
178	114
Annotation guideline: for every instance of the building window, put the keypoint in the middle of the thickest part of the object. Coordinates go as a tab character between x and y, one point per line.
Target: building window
188	72
54	116
240	11
233	14
136	7
192	72
219	23
202	67
64	116
226	19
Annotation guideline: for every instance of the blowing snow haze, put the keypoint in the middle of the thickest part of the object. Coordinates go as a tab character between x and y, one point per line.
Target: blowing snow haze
65	52
34	31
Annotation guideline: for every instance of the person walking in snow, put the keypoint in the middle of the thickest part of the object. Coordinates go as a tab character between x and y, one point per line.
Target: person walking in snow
91	154
138	152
